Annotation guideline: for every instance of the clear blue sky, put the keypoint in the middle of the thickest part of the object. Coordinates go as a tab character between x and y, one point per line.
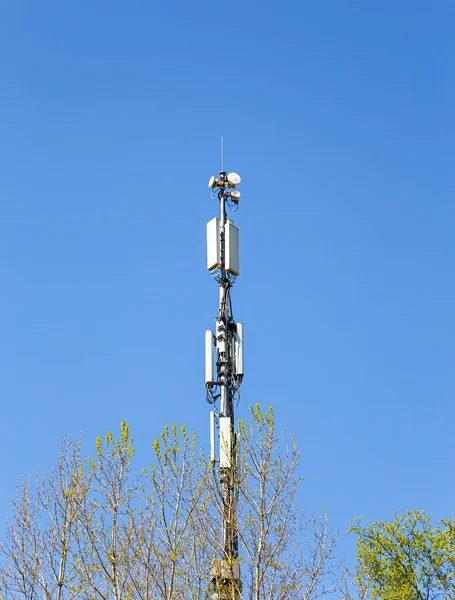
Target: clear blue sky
340	118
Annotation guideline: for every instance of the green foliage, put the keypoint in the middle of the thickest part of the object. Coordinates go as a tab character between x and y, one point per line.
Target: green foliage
123	447
406	559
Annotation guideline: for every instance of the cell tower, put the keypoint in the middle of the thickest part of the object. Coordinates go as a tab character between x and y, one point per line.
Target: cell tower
224	349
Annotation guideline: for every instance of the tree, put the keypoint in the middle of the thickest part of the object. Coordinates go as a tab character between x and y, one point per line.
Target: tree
273	528
406	559
40	550
94	529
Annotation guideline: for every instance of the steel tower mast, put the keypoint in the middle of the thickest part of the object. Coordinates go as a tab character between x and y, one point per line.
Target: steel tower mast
227	345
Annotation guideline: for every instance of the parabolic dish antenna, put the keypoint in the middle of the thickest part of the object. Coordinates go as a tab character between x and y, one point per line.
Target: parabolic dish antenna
211	181
234	178
235	196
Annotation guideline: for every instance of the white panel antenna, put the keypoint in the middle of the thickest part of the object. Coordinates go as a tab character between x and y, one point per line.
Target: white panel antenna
238	351
232	248
212	436
213	244
225	442
209	379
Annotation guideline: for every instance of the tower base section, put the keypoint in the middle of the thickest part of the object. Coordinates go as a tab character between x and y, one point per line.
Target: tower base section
226	580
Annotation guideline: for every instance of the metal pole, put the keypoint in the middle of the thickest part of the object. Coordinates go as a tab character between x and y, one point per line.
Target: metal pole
223	371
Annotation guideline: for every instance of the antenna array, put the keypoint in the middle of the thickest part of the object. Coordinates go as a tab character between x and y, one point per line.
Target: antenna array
224	350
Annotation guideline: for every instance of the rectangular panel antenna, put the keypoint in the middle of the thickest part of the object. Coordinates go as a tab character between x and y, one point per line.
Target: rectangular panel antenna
238	351
213	244
212	436
225	442
209	380
232	248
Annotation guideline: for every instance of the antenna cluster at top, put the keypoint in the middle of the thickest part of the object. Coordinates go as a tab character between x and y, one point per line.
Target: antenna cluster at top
229	180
